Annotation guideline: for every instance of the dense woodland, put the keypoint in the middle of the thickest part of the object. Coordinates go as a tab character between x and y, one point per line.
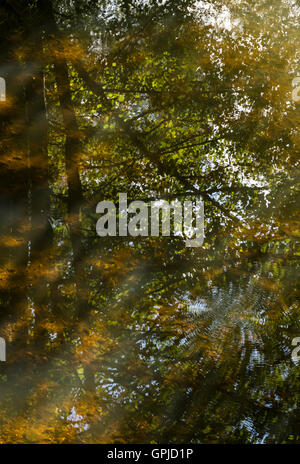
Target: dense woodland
141	339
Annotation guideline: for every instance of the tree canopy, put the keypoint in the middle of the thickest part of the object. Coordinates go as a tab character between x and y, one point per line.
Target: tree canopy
141	339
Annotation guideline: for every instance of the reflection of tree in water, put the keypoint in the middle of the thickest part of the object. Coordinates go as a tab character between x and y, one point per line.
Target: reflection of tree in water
144	340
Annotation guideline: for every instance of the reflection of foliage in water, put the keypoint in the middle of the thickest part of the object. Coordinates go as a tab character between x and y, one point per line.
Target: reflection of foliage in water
144	340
